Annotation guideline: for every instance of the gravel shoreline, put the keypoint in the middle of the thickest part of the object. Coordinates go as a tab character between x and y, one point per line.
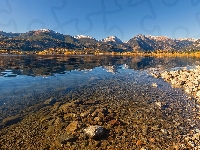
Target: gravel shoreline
187	78
133	116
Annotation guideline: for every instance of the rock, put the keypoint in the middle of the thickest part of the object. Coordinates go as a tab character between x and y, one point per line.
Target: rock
152	140
78	102
72	127
154	85
114	122
145	129
198	94
50	130
64	138
84	114
69	115
158	104
95	113
58	121
11	120
67	107
97	119
184	78
164	131
98	143
47	118
94	131
50	101
139	143
191	143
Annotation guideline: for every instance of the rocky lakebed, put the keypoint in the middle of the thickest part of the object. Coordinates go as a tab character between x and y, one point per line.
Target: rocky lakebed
119	112
151	109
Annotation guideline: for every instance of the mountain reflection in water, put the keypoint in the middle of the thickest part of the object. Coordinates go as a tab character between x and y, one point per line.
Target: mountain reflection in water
32	65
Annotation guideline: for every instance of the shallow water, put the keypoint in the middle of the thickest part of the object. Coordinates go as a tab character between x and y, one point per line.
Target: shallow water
23	78
39	96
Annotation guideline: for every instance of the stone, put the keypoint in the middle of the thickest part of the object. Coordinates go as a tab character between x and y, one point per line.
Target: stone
84	114
152	140
57	121
139	143
67	106
198	94
94	131
97	119
72	127
50	101
154	85
114	122
11	120
64	138
158	104
164	131
191	143
145	129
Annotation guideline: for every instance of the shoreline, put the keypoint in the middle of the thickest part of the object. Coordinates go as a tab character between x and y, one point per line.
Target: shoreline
186	78
71	53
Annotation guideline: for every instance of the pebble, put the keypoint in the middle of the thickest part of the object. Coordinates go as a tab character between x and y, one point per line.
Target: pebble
158	104
154	85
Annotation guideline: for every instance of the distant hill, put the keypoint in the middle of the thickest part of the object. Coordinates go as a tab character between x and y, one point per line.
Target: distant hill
38	40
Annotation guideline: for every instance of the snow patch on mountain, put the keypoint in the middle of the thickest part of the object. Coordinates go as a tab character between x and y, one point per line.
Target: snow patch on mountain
186	39
83	36
112	39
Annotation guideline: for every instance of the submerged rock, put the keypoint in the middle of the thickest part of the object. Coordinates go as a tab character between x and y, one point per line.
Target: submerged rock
11	120
64	138
72	127
94	131
50	101
154	85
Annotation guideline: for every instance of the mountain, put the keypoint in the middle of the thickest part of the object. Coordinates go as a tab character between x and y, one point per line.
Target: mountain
195	46
71	39
83	37
43	39
43	33
152	43
5	34
112	39
35	40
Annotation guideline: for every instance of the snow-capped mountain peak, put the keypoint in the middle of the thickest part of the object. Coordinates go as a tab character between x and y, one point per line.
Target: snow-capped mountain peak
112	39
158	38
186	39
43	30
82	36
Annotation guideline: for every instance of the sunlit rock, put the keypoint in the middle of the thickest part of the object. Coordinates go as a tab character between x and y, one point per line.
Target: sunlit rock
94	131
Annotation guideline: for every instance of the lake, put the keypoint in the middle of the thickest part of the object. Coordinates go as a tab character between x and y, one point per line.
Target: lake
40	96
22	75
25	80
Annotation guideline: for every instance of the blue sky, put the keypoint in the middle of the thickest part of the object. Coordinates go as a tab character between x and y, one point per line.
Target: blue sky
102	18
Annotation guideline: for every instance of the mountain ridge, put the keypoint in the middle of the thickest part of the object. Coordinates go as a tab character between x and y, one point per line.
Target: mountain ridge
42	39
